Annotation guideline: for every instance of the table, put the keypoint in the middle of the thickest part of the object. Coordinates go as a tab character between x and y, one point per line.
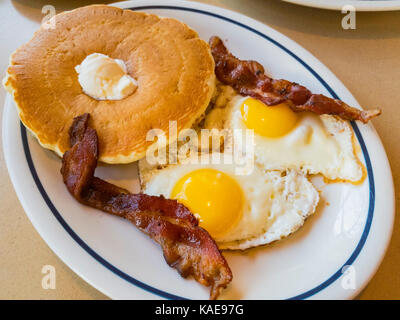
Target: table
365	59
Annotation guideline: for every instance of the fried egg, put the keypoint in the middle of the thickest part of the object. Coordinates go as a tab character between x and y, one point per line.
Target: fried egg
239	211
287	140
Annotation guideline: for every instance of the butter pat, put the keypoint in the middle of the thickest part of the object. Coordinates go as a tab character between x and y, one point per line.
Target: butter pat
104	78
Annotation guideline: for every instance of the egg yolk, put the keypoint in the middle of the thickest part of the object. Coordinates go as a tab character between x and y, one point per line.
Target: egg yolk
268	121
213	196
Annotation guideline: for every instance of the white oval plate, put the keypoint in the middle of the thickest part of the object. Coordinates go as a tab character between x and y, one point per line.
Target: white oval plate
110	254
359	5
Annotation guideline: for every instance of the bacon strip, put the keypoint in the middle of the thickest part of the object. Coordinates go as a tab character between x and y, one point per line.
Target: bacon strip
249	79
186	246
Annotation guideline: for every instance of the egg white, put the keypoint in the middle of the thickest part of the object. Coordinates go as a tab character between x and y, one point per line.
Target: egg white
316	145
274	205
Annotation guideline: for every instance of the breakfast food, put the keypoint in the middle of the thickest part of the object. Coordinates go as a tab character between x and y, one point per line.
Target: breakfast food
171	66
273	200
239	211
310	130
134	72
186	246
249	79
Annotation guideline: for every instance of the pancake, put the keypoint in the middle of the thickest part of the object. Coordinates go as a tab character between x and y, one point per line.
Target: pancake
173	67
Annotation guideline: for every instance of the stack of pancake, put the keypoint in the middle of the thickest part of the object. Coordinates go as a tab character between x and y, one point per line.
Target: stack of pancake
173	67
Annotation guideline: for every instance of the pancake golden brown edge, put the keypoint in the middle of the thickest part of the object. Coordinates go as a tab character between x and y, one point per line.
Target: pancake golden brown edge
172	65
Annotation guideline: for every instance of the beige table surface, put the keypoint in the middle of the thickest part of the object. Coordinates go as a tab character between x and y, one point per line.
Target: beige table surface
366	60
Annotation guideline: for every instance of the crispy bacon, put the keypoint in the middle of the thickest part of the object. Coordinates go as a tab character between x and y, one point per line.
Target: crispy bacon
249	79
186	246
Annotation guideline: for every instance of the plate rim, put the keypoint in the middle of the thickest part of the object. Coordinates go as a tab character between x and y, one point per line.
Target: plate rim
359	5
186	5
